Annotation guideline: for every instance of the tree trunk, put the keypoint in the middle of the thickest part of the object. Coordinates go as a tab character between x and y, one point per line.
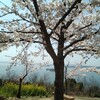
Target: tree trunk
66	80
59	80
19	89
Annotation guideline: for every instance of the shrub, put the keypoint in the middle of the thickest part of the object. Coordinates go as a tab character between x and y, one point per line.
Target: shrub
34	90
1	82
10	89
97	94
79	86
70	83
94	91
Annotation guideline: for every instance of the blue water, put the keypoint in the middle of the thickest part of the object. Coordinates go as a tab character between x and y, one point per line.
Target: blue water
91	77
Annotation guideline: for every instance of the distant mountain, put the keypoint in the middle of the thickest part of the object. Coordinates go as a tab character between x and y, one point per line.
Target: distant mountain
70	66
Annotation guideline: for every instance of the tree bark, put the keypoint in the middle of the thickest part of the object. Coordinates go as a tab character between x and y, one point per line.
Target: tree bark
66	91
59	80
19	89
59	69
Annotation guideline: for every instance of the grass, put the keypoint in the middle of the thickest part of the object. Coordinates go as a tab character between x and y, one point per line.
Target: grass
50	98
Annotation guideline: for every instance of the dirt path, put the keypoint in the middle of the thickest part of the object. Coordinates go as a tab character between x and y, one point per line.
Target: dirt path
30	98
50	98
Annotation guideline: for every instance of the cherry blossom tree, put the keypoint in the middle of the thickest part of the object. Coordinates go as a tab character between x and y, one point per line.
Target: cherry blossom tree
61	27
22	59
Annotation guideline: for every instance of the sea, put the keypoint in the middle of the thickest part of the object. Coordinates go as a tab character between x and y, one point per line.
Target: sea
47	72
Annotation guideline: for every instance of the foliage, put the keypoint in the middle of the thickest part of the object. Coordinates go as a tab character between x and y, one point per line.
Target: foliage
97	94
79	86
94	91
70	84
73	87
10	89
34	90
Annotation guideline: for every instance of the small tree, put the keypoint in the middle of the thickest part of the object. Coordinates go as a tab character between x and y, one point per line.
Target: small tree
61	26
24	59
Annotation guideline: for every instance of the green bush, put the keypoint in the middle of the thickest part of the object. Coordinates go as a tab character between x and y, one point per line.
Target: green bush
10	89
97	94
70	83
79	86
94	91
33	90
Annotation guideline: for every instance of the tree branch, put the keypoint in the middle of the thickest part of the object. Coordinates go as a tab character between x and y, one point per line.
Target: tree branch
78	49
46	37
54	38
76	41
16	13
68	24
6	14
5	5
19	32
7	41
66	14
85	26
27	6
21	40
54	32
36	7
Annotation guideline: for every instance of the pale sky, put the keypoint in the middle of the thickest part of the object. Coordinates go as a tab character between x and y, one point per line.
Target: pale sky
74	60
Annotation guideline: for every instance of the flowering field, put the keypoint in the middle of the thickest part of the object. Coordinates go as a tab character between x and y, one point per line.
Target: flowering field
10	90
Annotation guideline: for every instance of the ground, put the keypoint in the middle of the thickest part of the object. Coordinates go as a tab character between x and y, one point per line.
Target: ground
86	98
31	98
50	98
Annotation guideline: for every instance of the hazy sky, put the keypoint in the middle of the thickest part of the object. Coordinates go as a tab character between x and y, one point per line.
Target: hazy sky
74	60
